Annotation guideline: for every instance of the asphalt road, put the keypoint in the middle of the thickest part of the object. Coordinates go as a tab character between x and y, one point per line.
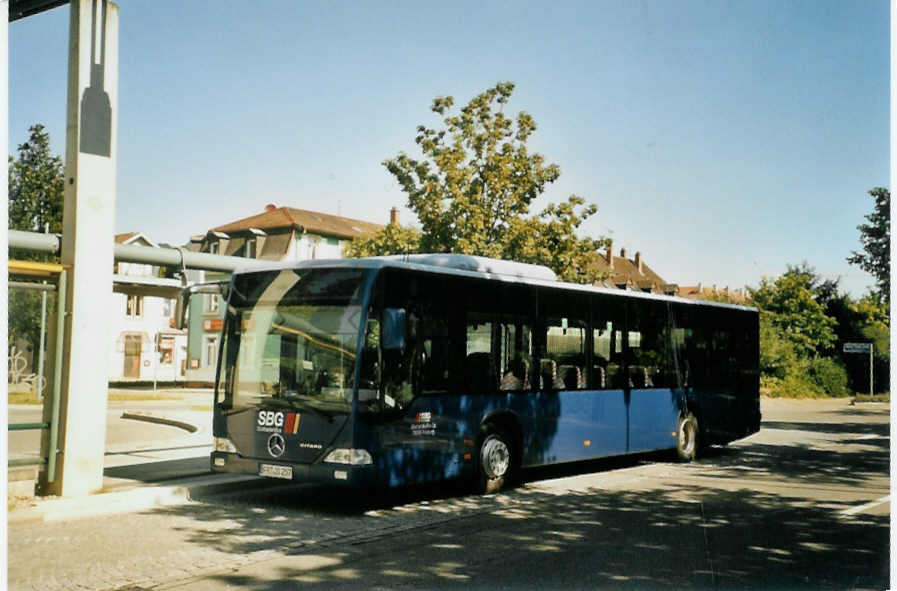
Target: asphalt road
803	504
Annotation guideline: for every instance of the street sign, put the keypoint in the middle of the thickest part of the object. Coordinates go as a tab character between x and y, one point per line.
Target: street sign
857	347
863	348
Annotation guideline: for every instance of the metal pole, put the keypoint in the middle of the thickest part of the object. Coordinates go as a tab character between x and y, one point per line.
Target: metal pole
871	390
34	241
32	286
155	364
132	253
40	355
43	331
57	378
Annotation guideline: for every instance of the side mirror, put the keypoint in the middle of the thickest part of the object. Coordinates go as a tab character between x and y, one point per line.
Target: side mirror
393	338
182	304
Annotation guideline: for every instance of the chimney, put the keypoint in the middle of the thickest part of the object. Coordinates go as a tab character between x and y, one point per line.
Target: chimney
270	207
622	253
394	216
638	261
700	289
609	257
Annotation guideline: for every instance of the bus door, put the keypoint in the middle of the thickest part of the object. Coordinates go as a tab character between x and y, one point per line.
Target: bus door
653	389
608	400
416	420
563	374
720	398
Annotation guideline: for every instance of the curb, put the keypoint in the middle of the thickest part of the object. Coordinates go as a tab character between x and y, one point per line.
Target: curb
133	499
149	418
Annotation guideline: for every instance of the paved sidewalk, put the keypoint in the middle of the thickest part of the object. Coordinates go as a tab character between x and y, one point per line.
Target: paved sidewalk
166	470
807	477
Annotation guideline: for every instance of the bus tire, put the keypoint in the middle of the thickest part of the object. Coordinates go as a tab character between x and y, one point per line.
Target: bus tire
495	460
687	437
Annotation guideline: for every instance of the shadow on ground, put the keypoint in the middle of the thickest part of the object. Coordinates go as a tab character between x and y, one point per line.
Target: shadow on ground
676	537
670	535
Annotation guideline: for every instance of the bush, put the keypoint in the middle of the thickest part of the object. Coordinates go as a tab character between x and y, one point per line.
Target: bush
793	385
812	378
829	375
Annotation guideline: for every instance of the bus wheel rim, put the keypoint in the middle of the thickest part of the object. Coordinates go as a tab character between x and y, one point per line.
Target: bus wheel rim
687	435
495	458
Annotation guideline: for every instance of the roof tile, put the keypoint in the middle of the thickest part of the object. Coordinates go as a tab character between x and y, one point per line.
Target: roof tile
311	221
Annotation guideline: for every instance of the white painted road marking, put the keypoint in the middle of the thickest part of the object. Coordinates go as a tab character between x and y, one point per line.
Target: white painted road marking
861	508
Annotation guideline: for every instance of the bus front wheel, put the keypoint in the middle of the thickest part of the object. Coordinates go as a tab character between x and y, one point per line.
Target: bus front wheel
495	460
687	438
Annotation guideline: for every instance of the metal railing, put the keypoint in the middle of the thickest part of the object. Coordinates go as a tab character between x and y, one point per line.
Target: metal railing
51	244
132	253
45	271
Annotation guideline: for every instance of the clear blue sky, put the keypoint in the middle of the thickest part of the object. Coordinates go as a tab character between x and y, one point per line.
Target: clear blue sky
722	140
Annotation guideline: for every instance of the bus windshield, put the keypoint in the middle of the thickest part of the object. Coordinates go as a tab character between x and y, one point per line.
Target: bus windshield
291	340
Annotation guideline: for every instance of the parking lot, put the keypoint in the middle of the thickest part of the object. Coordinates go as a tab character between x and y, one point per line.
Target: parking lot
802	504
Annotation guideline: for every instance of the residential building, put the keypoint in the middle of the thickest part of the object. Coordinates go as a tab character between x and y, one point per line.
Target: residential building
145	347
285	234
276	234
706	292
633	274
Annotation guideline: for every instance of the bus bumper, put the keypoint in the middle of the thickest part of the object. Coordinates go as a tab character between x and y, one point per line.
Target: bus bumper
329	474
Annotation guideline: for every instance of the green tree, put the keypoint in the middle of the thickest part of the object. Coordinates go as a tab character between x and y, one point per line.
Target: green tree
36	181
393	239
876	239
873	325
793	311
777	355
473	189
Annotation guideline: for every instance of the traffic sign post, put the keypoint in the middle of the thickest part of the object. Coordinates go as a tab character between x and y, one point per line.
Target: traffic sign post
862	348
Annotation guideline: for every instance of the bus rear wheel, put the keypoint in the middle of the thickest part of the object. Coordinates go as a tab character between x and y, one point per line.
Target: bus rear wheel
495	460
687	436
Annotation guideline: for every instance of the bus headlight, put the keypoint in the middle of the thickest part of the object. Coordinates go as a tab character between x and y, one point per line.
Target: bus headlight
353	457
224	444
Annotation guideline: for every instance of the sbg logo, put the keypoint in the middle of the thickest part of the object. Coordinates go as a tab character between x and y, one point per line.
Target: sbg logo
270	418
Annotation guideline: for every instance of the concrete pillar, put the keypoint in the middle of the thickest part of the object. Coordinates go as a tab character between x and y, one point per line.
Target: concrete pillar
88	242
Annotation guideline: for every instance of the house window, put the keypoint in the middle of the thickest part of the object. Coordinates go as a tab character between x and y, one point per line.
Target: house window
249	250
213	247
313	242
134	306
166	350
210	350
212	303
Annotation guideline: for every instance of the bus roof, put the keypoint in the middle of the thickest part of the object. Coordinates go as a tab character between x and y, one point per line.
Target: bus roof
480	267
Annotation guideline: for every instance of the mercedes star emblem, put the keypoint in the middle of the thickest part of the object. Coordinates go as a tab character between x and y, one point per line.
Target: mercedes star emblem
276	445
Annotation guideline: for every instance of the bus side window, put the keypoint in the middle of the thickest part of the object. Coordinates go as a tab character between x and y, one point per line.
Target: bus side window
433	351
563	366
479	367
369	379
607	359
516	355
648	342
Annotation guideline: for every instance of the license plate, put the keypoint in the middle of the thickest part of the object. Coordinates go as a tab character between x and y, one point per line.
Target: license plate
272	471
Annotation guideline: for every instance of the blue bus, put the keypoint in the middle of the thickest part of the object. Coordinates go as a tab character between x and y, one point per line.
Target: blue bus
389	371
